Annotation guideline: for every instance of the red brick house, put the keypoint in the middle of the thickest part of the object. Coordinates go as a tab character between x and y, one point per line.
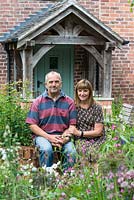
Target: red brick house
81	39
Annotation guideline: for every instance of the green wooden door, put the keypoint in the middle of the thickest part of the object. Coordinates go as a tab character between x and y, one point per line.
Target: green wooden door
60	59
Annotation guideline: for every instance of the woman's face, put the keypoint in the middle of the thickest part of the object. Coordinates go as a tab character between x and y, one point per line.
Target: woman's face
83	94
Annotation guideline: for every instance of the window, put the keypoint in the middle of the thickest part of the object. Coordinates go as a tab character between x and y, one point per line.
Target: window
53	62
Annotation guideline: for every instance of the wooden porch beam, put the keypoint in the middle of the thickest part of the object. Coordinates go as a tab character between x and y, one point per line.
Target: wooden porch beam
82	40
95	54
40	53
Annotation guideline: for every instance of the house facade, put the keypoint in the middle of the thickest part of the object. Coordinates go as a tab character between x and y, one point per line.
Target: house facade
80	39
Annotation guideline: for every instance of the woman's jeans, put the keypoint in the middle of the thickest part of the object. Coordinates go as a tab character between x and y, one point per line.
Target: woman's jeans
46	153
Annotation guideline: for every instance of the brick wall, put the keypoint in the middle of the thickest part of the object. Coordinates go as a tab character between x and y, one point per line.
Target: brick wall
80	63
122	21
115	14
11	14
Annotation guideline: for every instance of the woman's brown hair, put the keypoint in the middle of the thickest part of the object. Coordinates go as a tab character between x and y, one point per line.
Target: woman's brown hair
84	84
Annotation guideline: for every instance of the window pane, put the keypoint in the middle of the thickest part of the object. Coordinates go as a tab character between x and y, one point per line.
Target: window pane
53	62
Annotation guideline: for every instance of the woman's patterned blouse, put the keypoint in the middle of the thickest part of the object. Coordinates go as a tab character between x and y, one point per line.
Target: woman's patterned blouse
86	119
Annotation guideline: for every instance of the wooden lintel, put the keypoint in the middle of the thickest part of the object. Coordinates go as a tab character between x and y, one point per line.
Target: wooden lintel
82	40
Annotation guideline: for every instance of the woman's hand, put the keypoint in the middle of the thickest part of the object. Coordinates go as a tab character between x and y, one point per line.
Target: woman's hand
74	131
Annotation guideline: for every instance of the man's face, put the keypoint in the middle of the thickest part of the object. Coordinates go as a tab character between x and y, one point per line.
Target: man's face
53	84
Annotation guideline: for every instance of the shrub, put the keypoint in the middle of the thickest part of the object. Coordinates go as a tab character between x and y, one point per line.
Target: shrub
12	118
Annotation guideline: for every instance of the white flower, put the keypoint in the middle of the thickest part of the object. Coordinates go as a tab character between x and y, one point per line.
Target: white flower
30	180
50	170
73	198
7	131
3	152
44	167
34	169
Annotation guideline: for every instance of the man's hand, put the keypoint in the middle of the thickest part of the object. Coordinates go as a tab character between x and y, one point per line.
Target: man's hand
66	137
56	140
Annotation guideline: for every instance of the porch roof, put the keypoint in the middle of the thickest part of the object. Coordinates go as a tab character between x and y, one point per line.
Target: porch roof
53	14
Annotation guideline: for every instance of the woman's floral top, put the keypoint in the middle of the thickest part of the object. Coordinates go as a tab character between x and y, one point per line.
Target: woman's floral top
86	119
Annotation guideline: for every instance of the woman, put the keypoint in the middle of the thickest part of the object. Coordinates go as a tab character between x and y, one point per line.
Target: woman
90	127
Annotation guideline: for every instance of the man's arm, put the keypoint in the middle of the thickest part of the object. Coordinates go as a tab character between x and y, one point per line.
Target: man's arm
56	140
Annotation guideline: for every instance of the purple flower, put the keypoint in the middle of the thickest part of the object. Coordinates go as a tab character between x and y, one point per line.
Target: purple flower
63	194
120	179
110	186
81	176
92	141
132	184
124	184
130	174
110	196
110	175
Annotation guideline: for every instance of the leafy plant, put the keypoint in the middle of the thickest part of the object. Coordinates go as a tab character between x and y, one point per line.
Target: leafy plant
13	109
99	174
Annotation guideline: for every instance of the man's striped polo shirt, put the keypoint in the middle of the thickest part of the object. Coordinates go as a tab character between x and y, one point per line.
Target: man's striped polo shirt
52	116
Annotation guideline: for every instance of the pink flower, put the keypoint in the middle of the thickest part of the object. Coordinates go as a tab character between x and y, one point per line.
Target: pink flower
117	145
60	186
113	127
115	138
88	191
63	194
122	190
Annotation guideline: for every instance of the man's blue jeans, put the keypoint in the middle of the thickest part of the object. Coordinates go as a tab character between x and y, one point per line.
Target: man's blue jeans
46	153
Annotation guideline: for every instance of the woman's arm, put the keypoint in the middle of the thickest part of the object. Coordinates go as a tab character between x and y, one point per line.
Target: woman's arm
98	131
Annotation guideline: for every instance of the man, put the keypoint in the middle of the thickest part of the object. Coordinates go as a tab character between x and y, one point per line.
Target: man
50	116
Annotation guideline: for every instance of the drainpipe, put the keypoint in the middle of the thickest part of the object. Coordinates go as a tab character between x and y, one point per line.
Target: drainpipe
13	43
6	48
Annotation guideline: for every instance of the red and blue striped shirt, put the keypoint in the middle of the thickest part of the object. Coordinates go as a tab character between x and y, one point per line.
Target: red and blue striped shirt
52	116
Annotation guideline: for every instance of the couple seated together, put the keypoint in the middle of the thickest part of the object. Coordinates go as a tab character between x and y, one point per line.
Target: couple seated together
54	118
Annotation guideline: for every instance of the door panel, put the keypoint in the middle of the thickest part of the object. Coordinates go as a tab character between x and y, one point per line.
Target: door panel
59	59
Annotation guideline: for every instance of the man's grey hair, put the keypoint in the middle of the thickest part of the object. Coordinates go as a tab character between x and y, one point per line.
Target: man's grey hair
52	73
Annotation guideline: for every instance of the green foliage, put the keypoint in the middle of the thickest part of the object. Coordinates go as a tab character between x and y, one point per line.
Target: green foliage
131	2
111	177
12	118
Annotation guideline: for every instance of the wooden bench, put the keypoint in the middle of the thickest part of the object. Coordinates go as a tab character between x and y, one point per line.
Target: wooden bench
127	114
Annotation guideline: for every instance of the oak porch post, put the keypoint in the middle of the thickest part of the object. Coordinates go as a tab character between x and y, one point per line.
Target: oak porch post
107	82
26	56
